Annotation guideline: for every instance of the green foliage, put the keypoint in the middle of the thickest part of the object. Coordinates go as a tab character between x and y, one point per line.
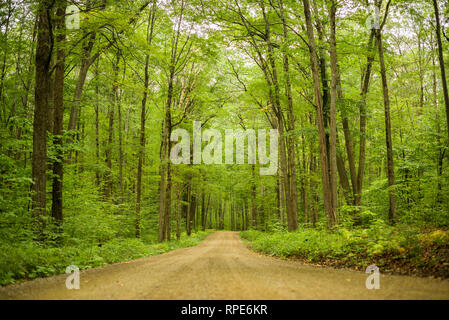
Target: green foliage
358	247
30	260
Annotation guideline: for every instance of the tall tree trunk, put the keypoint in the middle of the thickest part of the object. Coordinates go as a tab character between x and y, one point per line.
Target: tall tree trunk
164	159
304	196
42	87
389	142
293	225
333	116
150	28
441	149
58	103
3	118
141	148
120	146
276	106
320	113
97	125
167	213
111	115
363	118
165	183
441	60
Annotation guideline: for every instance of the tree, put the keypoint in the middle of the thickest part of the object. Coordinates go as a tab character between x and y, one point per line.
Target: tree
42	88
388	135
141	157
320	116
58	102
441	60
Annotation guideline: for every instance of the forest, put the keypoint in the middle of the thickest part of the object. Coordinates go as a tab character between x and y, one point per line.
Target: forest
92	93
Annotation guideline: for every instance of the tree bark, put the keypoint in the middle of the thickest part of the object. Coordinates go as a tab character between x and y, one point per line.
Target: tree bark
363	118
333	116
42	87
320	113
293	225
441	60
389	143
58	103
141	156
111	115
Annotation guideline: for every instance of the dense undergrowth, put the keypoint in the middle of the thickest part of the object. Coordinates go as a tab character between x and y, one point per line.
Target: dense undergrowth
30	260
400	250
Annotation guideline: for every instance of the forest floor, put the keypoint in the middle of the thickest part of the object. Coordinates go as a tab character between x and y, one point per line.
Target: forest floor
221	267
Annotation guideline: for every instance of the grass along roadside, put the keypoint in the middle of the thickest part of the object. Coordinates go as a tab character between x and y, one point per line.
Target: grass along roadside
29	260
393	250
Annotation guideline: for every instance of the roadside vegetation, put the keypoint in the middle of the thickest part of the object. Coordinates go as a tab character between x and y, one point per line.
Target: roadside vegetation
398	250
30	260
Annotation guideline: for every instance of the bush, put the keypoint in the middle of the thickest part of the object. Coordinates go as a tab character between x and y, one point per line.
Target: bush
380	244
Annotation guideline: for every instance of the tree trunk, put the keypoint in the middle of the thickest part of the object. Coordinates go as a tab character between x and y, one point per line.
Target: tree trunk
42	88
333	117
141	157
441	60
58	103
389	143
293	223
186	207
167	214
97	126
120	147
164	185
362	146
320	113
178	218
253	197
111	115
3	118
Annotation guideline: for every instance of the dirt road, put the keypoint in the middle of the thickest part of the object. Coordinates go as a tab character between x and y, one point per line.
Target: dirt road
221	267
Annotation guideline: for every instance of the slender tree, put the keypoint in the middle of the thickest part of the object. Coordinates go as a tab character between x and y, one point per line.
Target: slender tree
441	60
